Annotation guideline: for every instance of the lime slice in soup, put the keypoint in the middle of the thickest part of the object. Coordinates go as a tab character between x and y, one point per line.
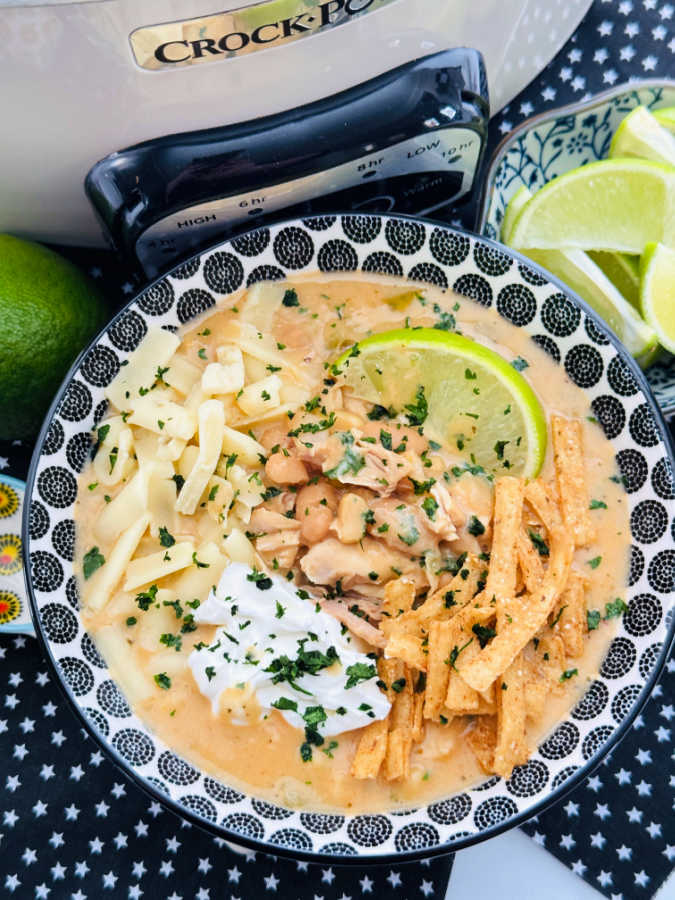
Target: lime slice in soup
463	394
657	292
614	204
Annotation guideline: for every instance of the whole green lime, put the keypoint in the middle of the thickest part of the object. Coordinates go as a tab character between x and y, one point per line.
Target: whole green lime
49	310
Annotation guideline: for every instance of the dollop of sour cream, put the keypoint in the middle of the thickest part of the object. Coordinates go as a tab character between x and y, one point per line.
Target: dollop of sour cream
275	640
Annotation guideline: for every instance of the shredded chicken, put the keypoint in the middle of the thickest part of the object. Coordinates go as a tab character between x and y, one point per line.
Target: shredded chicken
408	528
355	461
447	517
330	561
266	520
358	626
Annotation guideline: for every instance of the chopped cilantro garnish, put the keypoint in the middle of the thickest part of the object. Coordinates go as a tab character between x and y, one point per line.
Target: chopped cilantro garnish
417	412
381	412
430	505
499	448
146	598
568	673
616	608
359	672
163	681
385	439
597	504
593	619
290	297
165	538
483	634
285	703
196	562
475	526
171	640
421	487
595	562
454	653
557	618
519	363
409	536
540	544
262	582
93	559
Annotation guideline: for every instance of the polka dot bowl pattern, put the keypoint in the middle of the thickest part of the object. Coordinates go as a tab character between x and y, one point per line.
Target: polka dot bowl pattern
415	249
550	144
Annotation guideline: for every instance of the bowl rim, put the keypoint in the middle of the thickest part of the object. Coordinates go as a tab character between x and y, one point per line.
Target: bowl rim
531	122
262	846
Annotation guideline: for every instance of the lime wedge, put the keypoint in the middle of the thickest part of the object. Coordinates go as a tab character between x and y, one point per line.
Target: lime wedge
641	135
477	402
613	204
657	292
515	205
665	117
622	270
587	279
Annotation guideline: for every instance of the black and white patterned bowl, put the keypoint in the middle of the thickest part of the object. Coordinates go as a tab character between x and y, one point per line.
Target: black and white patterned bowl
558	322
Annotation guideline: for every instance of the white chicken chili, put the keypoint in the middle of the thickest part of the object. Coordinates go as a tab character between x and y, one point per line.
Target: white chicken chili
270	559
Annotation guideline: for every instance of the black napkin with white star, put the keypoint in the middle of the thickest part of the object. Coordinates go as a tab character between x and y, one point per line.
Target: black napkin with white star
72	826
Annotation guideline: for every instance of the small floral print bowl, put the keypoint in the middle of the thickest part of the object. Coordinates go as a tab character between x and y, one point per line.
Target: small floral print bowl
14	612
420	251
550	144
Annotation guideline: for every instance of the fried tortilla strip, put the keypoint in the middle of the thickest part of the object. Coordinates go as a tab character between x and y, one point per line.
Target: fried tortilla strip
569	470
570	615
399	596
440	637
371	751
508	509
402	705
530	562
418	719
511	748
390	670
409	648
397	759
482	740
543	667
459	695
464	646
542	499
483	709
446	601
529	614
400	738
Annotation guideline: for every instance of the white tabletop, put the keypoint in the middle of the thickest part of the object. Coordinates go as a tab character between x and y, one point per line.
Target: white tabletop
513	867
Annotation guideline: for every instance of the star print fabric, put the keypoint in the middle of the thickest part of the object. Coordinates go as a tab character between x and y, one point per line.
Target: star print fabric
73	827
617	830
